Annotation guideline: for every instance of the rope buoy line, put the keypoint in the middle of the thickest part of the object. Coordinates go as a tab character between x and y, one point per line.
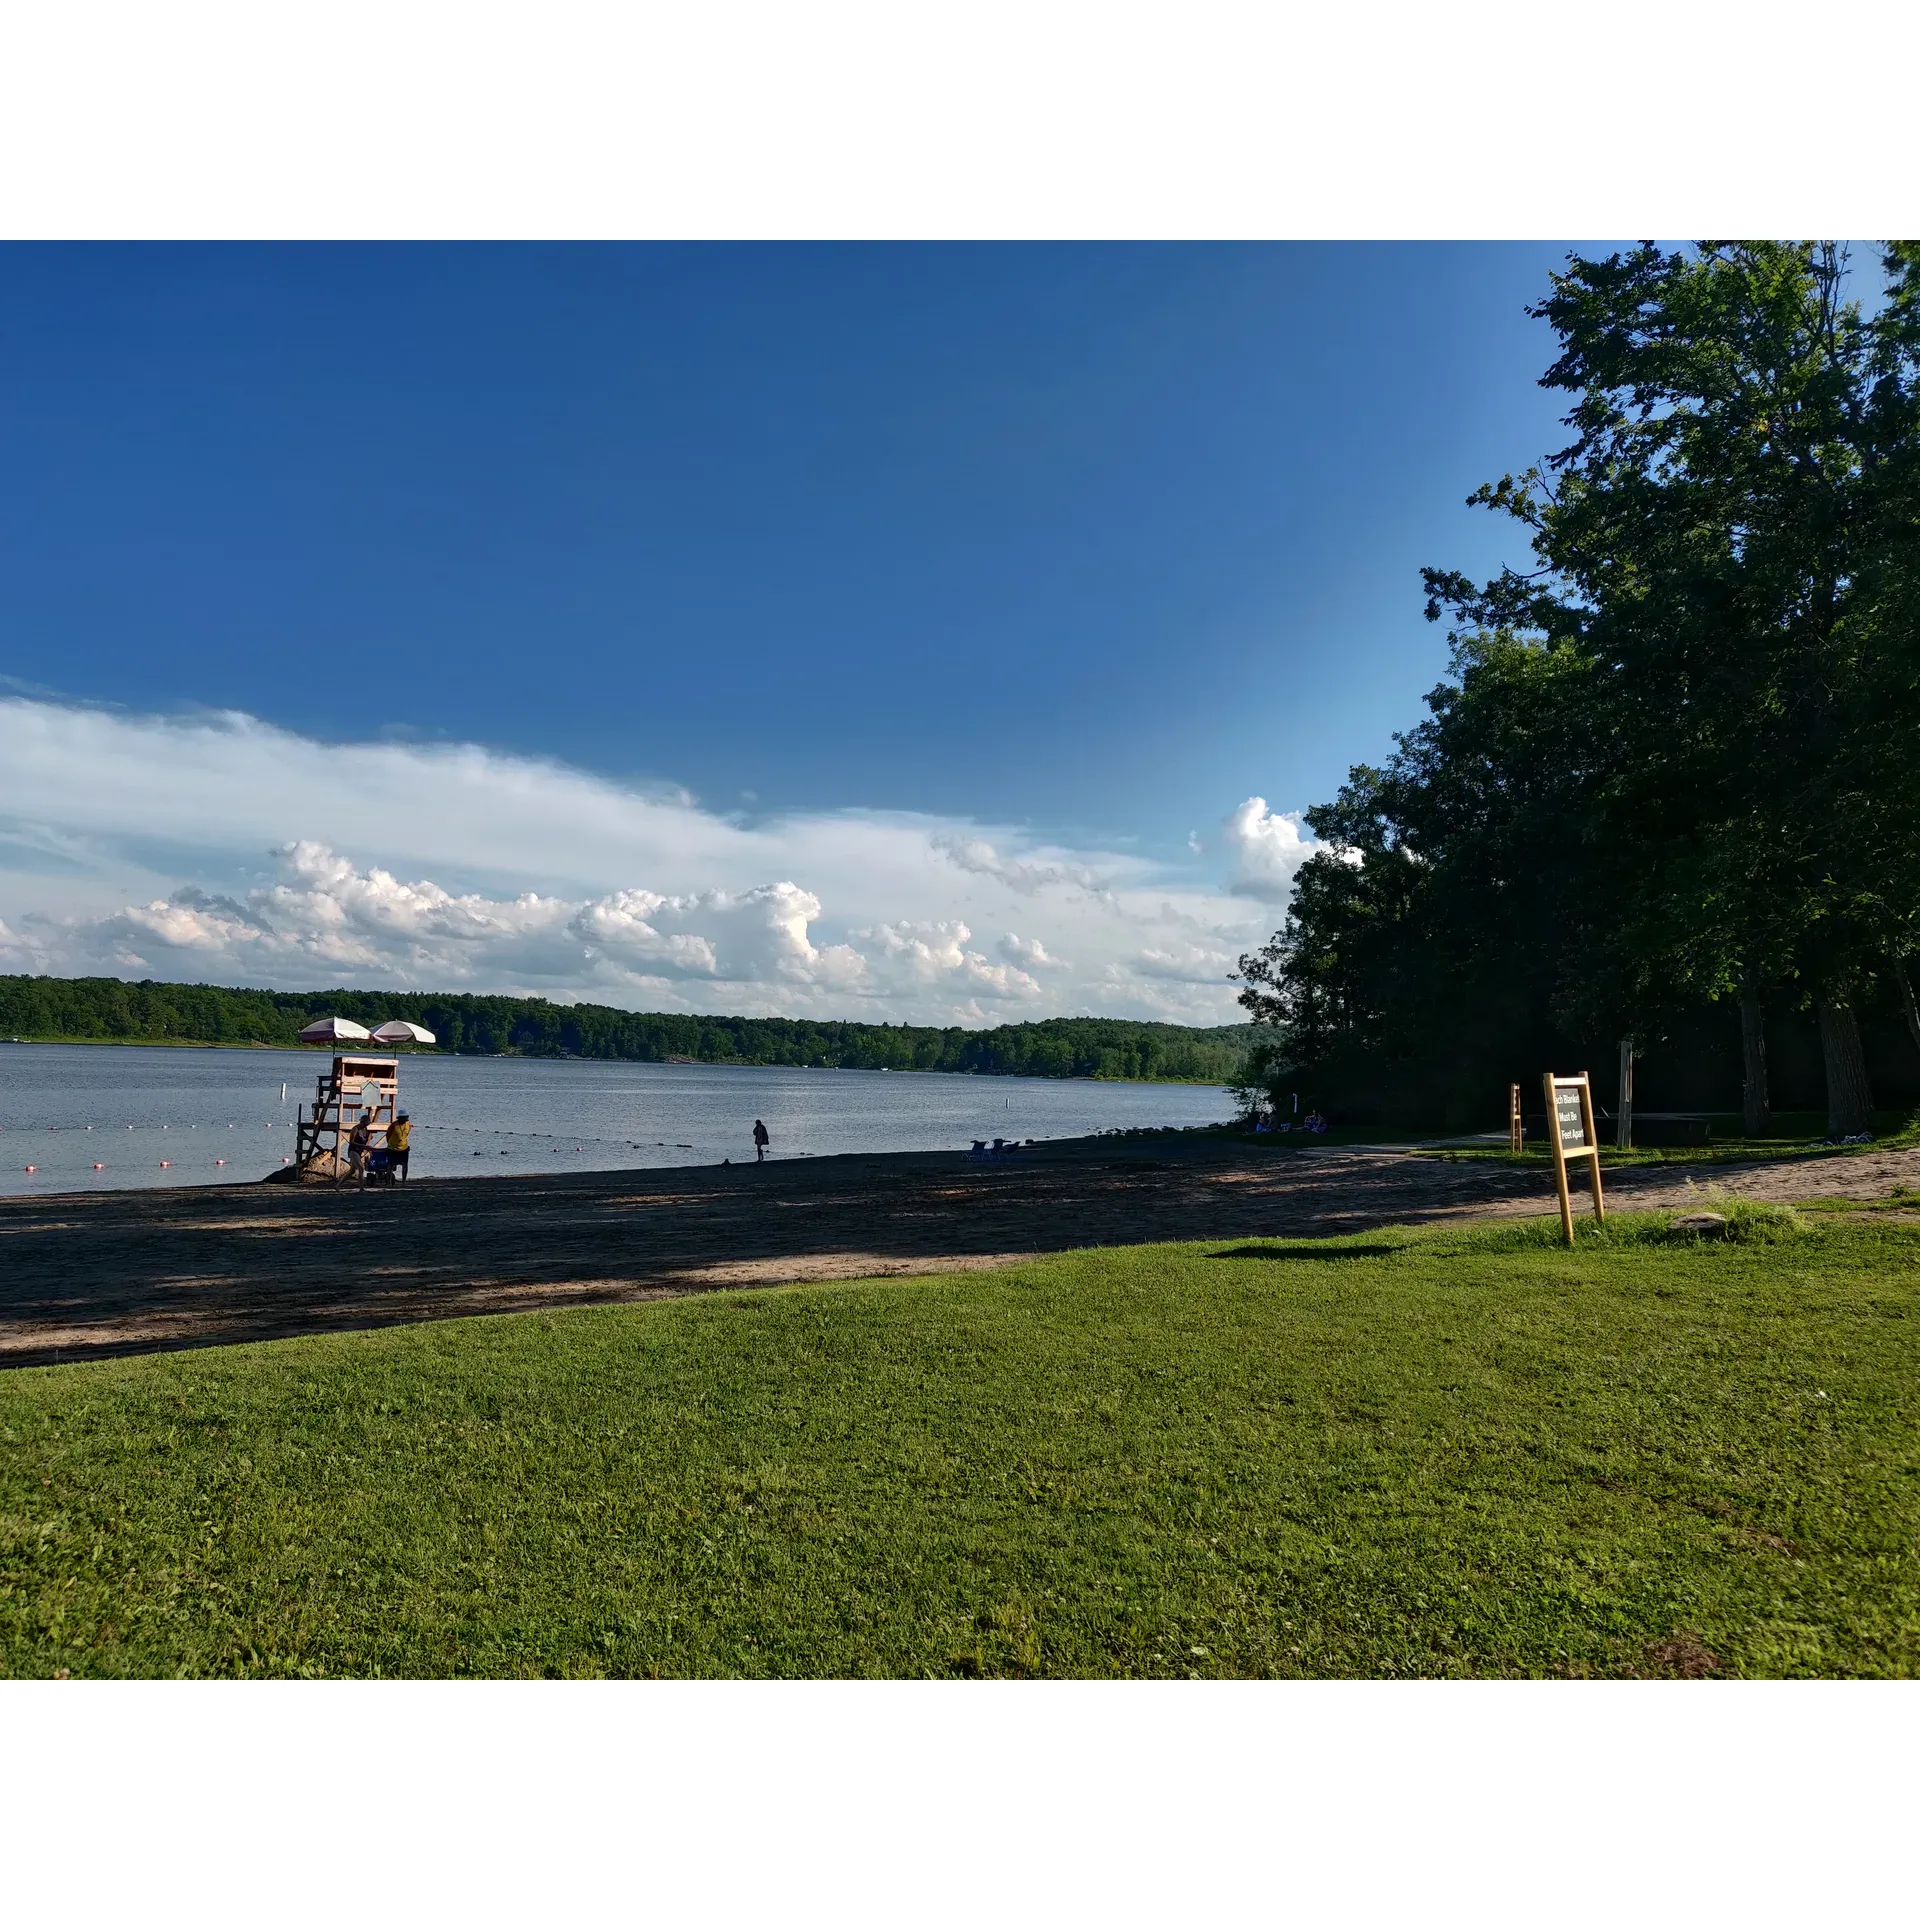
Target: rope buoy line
420	1126
164	1126
579	1141
588	1139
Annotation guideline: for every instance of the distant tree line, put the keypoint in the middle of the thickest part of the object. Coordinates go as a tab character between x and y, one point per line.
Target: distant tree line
1676	764
34	1007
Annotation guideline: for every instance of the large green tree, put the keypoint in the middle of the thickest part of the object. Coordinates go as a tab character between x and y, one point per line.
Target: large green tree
1680	754
1418	963
1708	536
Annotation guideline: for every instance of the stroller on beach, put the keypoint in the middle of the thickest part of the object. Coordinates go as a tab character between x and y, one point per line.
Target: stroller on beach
379	1167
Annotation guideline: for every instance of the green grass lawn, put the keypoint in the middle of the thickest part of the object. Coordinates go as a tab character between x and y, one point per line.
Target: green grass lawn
1406	1453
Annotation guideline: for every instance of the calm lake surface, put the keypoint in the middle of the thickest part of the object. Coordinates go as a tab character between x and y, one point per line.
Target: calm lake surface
133	1108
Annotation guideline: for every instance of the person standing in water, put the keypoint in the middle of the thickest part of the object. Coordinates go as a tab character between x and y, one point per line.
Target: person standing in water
762	1140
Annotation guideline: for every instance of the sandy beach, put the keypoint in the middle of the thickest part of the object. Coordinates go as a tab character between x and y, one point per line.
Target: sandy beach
86	1276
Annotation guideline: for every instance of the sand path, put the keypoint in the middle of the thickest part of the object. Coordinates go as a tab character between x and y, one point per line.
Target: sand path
91	1275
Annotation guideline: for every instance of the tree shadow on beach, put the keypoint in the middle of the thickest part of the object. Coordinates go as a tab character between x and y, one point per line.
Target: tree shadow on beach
88	1276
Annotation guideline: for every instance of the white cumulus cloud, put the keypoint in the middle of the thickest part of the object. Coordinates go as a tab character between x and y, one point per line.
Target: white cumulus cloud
1022	875
1030	954
1200	965
1269	849
936	952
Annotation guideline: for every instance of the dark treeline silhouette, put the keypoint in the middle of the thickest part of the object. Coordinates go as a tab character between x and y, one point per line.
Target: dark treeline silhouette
35	1007
1670	791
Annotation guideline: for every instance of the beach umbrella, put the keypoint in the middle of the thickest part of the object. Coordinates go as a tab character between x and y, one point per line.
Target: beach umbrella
331	1031
402	1033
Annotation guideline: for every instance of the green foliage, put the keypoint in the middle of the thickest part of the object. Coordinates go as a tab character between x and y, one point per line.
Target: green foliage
1398	1454
1416	971
39	1008
1677	760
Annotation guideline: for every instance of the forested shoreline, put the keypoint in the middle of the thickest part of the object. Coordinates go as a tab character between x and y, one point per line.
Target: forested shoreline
1674	772
38	1007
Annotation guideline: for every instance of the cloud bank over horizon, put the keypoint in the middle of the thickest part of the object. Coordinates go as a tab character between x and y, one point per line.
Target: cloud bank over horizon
221	848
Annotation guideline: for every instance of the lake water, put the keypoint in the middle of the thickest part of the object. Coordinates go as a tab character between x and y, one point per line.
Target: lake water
189	1116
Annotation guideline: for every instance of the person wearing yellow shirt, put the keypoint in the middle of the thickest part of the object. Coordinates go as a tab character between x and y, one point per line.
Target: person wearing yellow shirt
398	1135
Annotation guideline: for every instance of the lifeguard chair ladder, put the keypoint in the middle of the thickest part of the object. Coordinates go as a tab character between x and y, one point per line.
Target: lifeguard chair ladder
357	1085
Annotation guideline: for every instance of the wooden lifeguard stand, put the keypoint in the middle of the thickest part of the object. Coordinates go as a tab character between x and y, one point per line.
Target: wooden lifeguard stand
358	1084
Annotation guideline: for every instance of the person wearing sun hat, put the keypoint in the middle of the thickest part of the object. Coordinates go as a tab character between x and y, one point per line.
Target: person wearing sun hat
398	1136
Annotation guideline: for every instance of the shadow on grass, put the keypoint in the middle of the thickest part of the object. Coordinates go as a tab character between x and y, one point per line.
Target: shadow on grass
1333	1250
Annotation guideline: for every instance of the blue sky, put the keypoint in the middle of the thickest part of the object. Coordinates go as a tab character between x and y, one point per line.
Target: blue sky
1062	552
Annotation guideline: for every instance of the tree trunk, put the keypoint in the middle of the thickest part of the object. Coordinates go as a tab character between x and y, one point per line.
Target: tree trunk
1623	1123
1906	996
1756	1105
1849	1098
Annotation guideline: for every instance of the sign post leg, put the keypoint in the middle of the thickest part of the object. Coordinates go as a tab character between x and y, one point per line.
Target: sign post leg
1559	1161
1593	1139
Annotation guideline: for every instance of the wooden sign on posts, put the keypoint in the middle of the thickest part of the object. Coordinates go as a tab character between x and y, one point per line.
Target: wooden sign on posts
1571	1135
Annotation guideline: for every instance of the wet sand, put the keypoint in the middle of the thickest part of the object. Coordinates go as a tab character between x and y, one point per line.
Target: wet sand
86	1276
